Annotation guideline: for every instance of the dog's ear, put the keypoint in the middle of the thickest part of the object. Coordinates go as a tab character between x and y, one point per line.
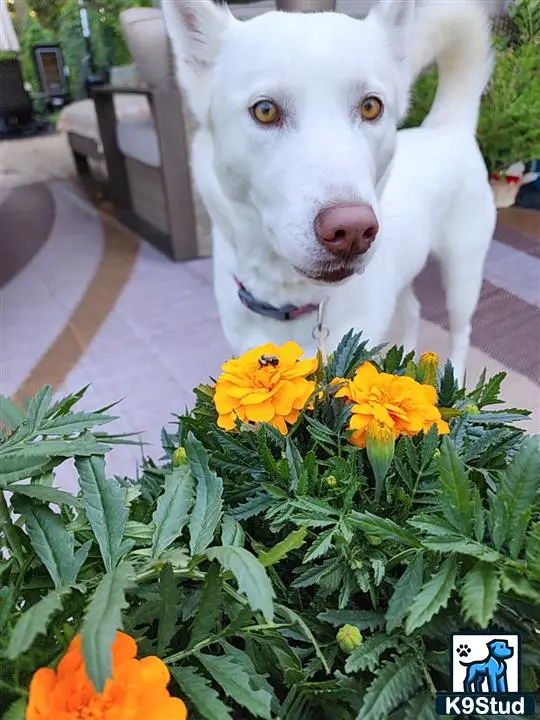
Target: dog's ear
196	28
397	17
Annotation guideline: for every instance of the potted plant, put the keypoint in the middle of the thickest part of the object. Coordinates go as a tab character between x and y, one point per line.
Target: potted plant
509	120
314	533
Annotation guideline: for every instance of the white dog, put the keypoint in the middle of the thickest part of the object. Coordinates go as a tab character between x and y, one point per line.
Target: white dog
314	195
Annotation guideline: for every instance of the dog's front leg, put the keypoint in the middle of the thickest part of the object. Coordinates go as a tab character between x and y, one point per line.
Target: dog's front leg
410	311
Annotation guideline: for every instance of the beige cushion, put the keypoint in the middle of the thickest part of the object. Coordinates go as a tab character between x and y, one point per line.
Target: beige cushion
80	117
137	138
146	37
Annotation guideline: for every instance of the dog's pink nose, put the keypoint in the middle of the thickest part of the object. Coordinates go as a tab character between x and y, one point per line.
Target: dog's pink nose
346	229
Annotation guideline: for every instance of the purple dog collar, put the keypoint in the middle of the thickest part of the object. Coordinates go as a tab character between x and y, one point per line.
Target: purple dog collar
283	314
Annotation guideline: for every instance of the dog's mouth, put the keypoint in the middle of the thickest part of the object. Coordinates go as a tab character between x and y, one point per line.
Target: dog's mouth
329	276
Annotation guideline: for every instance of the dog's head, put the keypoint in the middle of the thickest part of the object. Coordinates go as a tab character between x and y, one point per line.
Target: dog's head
500	649
298	116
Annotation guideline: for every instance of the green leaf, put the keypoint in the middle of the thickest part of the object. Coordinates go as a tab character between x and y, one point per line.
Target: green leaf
208	607
65	448
103	617
236	684
34	622
232	533
45	494
16	711
105	504
434	595
53	543
20	466
384	528
518	486
295	462
206	513
532	552
321	546
395	682
295	618
172	511
362	619
199	691
455	487
480	594
293	541
254	506
462	546
405	591
35	414
10	414
421	707
75	423
169	608
368	655
250	575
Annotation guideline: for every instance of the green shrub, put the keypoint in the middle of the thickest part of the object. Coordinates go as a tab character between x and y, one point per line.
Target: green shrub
240	557
509	121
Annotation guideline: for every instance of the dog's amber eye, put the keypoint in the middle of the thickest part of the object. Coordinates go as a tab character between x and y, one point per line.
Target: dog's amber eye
371	108
266	112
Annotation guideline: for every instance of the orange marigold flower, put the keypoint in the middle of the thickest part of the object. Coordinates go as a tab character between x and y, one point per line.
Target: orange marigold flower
137	689
402	404
268	384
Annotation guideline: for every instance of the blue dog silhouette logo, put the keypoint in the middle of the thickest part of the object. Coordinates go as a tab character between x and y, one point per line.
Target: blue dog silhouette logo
491	670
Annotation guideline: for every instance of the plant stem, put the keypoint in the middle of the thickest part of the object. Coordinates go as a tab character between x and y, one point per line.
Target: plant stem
7	527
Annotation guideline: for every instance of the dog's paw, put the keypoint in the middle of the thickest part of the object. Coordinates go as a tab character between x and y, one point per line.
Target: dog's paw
463	651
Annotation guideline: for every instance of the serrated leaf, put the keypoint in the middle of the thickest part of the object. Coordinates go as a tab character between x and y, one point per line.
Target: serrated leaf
71	423
321	546
421	707
434	595
455	487
172	510
254	506
7	598
208	607
384	528
45	494
34	622
104	501
293	541
10	414
362	619
250	575
232	533
480	594
405	592
532	551
236	684
37	408
53	543
206	512
368	655
395	682
20	466
199	691
462	546
103	617
519	483
64	448
168	609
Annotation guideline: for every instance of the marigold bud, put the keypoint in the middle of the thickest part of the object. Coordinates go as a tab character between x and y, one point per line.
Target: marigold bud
331	481
380	450
437	454
374	540
472	409
428	367
349	638
179	457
